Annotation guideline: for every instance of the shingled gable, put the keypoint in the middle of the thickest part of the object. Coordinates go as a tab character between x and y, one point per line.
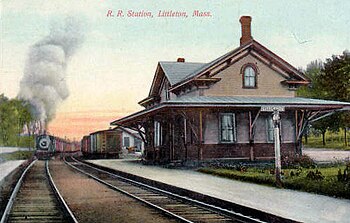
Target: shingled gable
173	72
253	48
182	74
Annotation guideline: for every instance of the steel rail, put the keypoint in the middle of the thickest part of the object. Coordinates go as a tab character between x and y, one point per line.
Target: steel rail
129	194
202	204
14	194
58	194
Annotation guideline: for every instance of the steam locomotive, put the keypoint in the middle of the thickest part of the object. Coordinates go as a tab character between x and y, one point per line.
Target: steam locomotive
47	146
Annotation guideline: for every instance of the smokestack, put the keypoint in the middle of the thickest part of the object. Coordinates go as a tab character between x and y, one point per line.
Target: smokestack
246	31
181	60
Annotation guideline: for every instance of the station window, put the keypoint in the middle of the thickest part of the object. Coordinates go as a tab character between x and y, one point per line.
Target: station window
157	134
227	128
269	129
126	141
167	92
249	73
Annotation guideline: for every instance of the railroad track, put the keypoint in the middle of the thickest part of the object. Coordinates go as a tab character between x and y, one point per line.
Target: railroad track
36	198
179	207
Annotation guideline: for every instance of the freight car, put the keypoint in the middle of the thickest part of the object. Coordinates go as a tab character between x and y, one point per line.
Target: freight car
102	144
110	143
48	145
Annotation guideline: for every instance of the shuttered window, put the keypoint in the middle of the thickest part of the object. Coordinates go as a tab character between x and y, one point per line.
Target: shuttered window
227	127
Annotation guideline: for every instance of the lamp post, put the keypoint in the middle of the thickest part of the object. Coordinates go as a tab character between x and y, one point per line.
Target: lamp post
276	121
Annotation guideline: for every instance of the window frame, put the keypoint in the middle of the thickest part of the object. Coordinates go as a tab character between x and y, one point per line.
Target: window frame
124	140
167	92
269	129
273	131
157	139
234	128
256	72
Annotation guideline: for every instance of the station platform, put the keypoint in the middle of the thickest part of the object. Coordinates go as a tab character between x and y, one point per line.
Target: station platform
7	167
12	149
290	204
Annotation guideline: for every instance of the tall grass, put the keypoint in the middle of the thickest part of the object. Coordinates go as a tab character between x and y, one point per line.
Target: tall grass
297	179
334	140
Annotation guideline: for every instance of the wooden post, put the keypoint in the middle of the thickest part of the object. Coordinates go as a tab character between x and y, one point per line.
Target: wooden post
185	137
200	134
173	138
251	132
276	120
296	133
251	152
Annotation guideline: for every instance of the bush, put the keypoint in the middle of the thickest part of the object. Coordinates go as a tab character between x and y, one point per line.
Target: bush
309	180
297	172
298	161
230	166
346	176
317	175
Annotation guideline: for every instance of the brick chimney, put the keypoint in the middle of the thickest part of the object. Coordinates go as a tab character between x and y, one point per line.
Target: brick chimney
246	31
181	60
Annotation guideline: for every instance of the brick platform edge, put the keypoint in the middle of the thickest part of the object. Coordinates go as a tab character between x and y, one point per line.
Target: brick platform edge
263	216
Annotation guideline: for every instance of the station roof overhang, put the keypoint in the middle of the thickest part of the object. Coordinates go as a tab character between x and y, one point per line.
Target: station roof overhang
236	103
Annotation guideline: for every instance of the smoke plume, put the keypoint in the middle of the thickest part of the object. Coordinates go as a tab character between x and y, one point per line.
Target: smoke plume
43	84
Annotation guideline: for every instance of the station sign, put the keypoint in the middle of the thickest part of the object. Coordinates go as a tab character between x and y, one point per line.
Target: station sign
271	108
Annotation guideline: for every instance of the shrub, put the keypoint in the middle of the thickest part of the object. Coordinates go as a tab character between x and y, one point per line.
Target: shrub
298	161
230	166
317	175
346	176
297	172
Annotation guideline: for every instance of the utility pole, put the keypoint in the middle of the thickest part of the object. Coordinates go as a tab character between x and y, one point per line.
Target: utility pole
276	121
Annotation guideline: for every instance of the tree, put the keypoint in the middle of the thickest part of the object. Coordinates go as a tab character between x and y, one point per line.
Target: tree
330	81
14	115
335	81
313	71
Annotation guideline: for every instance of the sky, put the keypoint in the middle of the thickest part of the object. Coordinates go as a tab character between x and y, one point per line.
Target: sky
114	67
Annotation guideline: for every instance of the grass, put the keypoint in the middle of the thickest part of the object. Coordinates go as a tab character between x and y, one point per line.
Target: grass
333	141
297	179
20	141
18	155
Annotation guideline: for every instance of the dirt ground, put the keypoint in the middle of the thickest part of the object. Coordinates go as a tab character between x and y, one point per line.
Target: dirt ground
327	155
91	201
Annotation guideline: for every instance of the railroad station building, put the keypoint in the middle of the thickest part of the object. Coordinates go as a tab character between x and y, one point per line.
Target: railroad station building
222	109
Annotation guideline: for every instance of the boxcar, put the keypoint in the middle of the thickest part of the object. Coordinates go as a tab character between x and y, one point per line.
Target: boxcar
102	144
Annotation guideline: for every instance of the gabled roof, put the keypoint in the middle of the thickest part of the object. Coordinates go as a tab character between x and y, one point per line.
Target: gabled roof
252	46
129	131
179	74
177	71
174	72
